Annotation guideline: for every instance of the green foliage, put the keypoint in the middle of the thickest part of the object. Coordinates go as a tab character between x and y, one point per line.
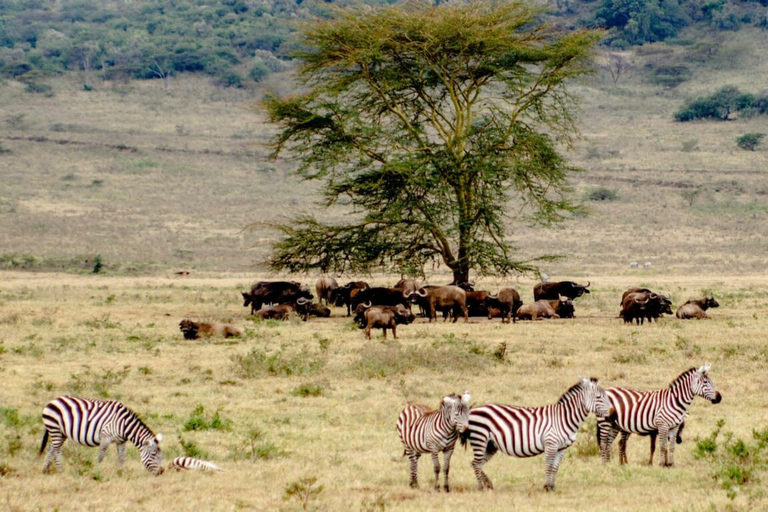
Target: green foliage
722	104
198	420
258	70
750	141
190	449
310	389
100	384
737	465
671	76
428	120
601	194
98	264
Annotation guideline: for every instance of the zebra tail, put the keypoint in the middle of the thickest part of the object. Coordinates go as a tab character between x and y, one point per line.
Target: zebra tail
45	441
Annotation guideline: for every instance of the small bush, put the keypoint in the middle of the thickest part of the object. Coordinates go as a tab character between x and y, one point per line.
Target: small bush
671	76
198	420
259	70
303	490
750	141
602	194
257	363
310	389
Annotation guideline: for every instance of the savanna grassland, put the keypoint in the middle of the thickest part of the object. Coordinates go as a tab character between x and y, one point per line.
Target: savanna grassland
154	180
291	402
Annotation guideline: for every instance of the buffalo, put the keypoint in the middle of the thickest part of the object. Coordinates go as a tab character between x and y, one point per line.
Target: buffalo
696	308
476	303
193	330
553	291
342	296
507	301
285	310
563	306
407	285
274	292
442	298
639	304
539	309
324	288
386	317
306	308
380	296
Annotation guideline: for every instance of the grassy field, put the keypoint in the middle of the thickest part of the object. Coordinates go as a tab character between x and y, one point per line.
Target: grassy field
312	406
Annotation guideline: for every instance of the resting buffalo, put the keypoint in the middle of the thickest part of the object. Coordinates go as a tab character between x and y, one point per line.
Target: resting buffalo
441	298
193	330
539	309
386	317
563	306
380	296
324	288
507	301
341	296
696	308
553	291
274	292
306	308
281	311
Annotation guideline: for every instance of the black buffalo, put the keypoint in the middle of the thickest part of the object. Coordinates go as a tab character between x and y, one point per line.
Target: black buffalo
342	296
553	291
274	292
380	296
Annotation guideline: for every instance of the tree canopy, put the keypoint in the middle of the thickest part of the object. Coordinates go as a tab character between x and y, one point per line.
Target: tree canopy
430	123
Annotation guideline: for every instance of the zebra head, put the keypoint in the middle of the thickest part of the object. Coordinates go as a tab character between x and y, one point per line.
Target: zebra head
701	385
596	399
151	456
458	410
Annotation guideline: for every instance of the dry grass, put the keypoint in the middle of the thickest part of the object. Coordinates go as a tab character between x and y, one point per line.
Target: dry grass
317	411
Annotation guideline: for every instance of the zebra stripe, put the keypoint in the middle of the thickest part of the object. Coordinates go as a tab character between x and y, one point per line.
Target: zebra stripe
425	431
190	463
530	431
98	423
655	413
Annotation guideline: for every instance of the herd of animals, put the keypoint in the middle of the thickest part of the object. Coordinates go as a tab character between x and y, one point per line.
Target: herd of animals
385	308
488	429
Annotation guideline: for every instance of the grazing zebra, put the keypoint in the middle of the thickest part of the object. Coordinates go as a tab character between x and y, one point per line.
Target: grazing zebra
98	423
529	431
187	463
425	431
661	412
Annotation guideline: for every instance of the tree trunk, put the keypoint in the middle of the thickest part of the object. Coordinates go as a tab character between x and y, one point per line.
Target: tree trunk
460	275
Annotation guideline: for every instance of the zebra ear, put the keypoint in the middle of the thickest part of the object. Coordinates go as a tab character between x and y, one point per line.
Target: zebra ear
466	397
704	369
447	400
159	437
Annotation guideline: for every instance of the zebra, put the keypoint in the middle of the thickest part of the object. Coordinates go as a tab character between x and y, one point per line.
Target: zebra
187	463
656	413
423	430
530	431
98	423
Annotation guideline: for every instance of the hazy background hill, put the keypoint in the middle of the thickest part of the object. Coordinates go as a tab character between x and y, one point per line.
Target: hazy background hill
152	163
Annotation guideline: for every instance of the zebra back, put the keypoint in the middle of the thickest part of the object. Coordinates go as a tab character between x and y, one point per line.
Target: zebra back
190	463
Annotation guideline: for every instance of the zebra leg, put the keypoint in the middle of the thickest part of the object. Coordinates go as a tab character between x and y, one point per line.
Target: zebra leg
671	437
483	482
54	454
436	467
666	460
447	468
606	433
553	456
653	448
120	453
413	457
103	445
623	447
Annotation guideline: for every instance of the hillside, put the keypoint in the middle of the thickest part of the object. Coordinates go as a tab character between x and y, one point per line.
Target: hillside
154	177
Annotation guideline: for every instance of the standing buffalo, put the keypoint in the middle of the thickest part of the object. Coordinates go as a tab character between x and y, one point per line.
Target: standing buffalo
385	317
324	288
507	301
696	308
274	292
476	303
434	298
553	291
639	304
407	285
380	296
341	296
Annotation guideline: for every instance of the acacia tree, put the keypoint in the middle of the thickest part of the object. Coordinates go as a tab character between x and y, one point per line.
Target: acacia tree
430	123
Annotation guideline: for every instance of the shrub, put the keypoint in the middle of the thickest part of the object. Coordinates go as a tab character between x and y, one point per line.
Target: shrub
602	194
721	104
198	421
671	76
259	70
750	141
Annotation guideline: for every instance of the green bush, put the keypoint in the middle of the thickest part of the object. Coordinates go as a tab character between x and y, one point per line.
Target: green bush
721	104
750	141
259	70
671	76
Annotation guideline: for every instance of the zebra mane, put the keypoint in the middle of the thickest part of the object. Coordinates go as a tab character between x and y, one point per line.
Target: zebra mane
568	394
682	376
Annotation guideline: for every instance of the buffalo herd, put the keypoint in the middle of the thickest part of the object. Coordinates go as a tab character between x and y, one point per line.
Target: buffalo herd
384	308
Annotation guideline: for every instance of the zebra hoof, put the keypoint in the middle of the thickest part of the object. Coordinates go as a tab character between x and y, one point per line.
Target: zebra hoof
549	488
